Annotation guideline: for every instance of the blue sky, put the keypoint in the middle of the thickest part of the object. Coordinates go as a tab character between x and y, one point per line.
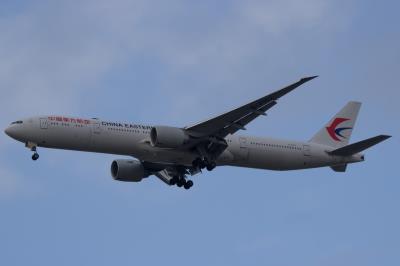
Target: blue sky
176	63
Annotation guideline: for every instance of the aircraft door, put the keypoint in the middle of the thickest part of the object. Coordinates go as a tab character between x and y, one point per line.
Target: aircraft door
243	148
96	129
44	124
307	155
306	150
96	134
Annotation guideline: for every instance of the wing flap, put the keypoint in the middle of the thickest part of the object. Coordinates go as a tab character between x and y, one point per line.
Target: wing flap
248	118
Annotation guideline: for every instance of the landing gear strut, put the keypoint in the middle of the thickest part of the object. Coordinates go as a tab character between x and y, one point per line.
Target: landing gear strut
181	182
33	148
204	163
211	166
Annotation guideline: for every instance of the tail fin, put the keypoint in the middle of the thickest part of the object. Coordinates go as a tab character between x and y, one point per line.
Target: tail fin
338	131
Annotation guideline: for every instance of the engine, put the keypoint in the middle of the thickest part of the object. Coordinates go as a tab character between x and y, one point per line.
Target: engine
128	170
168	137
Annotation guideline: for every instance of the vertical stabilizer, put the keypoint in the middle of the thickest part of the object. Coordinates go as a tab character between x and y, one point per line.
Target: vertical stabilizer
337	131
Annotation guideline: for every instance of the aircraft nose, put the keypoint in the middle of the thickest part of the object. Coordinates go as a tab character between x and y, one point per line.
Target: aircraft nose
13	132
17	131
8	131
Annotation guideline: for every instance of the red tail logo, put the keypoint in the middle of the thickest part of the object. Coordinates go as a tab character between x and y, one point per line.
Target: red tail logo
335	132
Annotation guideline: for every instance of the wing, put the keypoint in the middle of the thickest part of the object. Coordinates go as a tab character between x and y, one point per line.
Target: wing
232	121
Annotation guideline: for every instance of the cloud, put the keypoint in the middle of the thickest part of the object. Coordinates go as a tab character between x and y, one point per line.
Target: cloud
53	52
280	16
10	183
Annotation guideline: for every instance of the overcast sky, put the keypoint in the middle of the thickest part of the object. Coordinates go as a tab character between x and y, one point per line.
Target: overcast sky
178	62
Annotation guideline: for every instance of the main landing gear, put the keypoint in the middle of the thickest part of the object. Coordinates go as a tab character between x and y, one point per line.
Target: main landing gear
204	163
33	148
181	181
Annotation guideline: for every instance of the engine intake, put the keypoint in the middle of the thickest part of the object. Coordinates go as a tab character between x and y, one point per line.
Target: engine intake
168	137
128	170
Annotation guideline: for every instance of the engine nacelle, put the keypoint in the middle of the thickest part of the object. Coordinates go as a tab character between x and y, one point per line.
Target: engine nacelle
168	137
128	170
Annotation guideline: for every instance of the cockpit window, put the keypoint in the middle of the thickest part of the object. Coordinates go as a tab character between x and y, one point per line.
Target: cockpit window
16	122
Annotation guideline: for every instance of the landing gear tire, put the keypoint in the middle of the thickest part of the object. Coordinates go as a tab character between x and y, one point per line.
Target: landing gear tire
181	182
35	156
211	166
188	184
173	181
205	163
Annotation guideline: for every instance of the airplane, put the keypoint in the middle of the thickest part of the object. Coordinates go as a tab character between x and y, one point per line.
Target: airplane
172	154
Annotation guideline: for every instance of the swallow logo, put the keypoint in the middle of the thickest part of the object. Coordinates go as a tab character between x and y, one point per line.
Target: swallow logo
336	132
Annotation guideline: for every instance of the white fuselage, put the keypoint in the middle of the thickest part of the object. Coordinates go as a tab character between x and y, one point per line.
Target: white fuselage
94	135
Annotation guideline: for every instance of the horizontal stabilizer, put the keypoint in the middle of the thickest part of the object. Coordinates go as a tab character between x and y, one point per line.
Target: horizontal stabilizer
339	168
359	146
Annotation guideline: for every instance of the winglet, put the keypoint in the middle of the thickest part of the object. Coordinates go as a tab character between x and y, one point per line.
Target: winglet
306	79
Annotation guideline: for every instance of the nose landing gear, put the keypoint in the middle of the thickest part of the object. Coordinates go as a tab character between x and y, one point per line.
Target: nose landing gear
35	156
33	147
